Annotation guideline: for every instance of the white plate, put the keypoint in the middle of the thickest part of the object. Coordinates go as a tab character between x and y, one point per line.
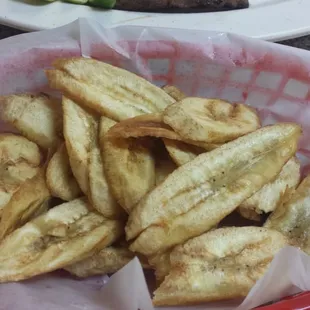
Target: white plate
265	19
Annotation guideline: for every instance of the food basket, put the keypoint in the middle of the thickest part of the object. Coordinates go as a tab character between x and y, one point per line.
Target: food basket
272	78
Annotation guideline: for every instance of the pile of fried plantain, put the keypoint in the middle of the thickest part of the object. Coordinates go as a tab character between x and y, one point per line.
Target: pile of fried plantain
119	168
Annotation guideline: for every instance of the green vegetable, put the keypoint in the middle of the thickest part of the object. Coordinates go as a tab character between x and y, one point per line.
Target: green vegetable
106	4
77	1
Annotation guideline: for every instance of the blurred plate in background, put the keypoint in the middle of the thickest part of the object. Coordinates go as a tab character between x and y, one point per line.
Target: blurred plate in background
265	19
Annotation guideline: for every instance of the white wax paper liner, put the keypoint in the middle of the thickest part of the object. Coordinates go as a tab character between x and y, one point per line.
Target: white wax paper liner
273	78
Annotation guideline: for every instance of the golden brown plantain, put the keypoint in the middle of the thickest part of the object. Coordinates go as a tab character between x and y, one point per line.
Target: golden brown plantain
100	193
37	117
108	260
64	235
222	264
59	176
151	125
210	120
213	185
20	160
80	130
291	217
174	92
129	166
31	196
182	152
267	199
111	91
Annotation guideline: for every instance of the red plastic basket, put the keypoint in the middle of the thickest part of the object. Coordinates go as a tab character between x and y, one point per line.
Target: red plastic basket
25	66
299	301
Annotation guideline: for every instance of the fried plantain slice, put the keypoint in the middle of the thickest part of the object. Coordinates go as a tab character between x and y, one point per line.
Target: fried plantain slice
174	92
210	120
20	160
182	152
62	236
291	217
111	91
59	176
267	199
100	193
129	166
213	185
150	125
161	264
222	264
37	117
25	202
80	130
108	260
142	126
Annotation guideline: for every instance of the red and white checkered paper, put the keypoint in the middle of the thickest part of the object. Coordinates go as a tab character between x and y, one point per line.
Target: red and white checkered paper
272	78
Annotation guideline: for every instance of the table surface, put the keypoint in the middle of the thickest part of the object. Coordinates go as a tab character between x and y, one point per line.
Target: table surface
302	42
